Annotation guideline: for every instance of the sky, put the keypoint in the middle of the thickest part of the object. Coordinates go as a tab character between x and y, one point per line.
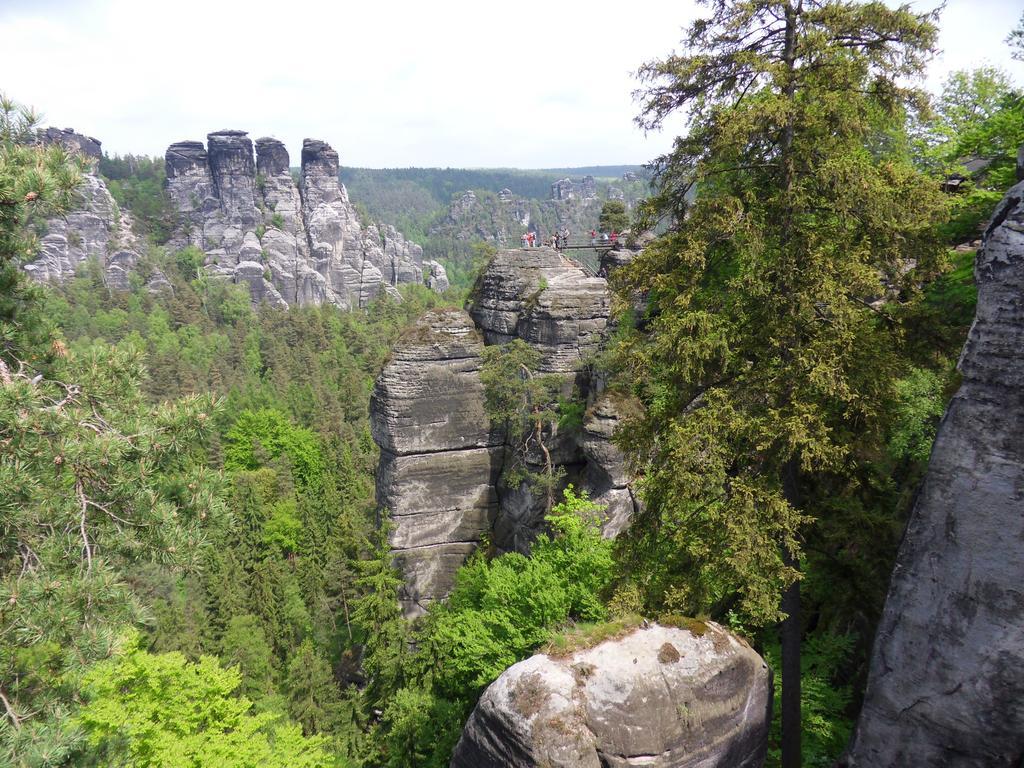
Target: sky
389	83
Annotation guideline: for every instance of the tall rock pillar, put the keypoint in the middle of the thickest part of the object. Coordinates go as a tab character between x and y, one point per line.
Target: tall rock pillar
440	458
946	686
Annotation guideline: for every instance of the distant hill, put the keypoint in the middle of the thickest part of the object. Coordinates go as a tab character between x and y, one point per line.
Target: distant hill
368	184
448	210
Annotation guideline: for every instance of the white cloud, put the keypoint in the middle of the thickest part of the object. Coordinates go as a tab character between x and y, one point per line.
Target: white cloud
525	83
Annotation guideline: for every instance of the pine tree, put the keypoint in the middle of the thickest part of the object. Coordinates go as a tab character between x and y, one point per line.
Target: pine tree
381	626
35	182
92	481
764	349
314	700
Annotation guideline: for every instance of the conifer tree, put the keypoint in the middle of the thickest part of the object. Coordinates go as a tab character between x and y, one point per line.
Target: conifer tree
379	620
313	697
767	344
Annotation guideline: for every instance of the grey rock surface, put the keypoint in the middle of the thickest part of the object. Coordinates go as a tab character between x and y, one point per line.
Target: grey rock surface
606	477
95	229
243	210
71	141
441	469
440	458
540	296
660	697
437	280
946	684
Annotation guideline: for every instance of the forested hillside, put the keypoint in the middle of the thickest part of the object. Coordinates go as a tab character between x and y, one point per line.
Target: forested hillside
195	569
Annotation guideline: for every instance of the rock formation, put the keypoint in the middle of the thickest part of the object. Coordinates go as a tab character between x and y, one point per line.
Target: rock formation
501	218
545	299
290	244
95	229
439	457
441	471
567	189
946	685
661	697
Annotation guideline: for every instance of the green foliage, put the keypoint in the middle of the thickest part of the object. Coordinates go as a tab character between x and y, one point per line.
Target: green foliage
1016	40
136	183
920	403
244	646
524	403
260	436
979	115
189	261
825	713
313	697
761	363
35	182
92	480
614	217
379	620
163	711
499	612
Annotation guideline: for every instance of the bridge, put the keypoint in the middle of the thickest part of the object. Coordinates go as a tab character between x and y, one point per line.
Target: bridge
590	265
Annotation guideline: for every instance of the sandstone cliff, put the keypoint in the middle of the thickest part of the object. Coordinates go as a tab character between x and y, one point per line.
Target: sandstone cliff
501	218
291	244
946	686
441	470
96	228
440	459
661	697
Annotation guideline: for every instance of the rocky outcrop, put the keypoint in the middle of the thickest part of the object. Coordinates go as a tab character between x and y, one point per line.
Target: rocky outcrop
606	476
660	697
437	279
542	297
567	189
946	685
72	141
501	218
95	229
291	244
440	458
441	473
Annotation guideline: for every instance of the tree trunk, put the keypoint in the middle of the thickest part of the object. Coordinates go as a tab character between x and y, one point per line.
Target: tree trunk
789	640
789	631
789	636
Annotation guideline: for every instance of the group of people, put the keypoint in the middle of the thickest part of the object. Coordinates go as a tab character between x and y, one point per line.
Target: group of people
604	237
557	240
560	240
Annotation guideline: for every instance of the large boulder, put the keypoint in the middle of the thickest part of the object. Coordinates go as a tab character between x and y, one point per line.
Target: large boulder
946	684
440	458
660	697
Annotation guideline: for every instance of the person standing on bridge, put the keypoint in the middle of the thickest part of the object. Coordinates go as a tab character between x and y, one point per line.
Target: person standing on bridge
615	237
593	237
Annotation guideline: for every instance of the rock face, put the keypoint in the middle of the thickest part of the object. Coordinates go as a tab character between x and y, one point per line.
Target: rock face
95	229
545	299
501	218
606	476
439	457
567	189
441	471
660	697
291	244
946	686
